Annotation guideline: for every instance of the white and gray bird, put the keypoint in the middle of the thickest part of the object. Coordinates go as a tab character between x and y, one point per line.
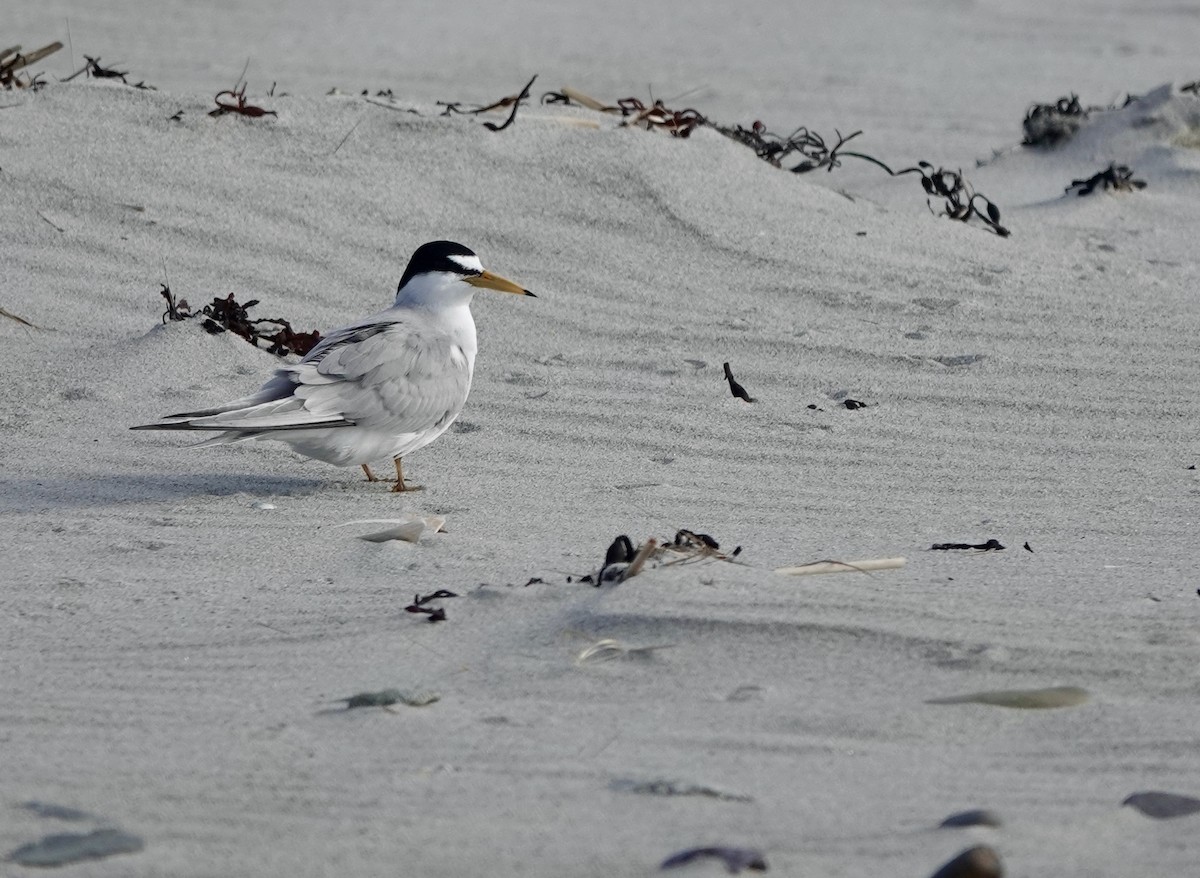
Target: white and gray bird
381	387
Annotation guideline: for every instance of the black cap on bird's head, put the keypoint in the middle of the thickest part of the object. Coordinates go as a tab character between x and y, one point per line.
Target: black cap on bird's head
452	258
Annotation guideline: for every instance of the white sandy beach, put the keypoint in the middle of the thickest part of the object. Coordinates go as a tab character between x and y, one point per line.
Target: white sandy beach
180	623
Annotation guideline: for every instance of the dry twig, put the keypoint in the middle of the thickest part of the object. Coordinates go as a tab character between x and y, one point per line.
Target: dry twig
12	61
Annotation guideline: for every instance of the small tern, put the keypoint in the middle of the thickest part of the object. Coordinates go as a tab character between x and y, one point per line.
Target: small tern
383	386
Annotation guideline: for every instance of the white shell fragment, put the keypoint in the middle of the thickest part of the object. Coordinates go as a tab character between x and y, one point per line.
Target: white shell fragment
409	527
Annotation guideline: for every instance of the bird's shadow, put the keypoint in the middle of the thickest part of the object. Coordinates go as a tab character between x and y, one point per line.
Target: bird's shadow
27	494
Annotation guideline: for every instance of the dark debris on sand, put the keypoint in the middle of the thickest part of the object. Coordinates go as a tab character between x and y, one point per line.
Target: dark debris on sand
1118	178
228	314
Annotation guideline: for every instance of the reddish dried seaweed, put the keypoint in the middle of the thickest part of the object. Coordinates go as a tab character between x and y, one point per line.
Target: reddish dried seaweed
227	314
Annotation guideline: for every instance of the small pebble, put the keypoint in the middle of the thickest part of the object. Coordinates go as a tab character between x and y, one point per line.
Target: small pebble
262	504
977	862
388	697
70	847
57	812
1028	699
735	859
1162	806
976	817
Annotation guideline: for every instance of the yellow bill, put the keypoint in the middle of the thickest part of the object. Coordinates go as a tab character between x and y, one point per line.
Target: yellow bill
490	281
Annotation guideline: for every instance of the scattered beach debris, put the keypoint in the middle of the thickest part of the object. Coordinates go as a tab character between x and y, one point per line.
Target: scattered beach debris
1119	178
409	527
960	199
237	95
1050	125
12	62
94	71
55	812
70	847
980	861
736	389
831	566
775	149
1163	806
622	561
989	546
609	649
177	309
389	697
735	859
853	404
1193	87
1026	699
678	123
674	788
229	314
961	202
435	614
513	101
1027	547
974	817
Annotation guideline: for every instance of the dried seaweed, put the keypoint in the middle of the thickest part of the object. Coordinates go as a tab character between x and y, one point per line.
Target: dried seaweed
12	61
239	105
420	602
960	201
992	545
1193	87
513	101
228	314
623	561
678	123
94	70
736	389
776	149
1119	178
1053	124
176	309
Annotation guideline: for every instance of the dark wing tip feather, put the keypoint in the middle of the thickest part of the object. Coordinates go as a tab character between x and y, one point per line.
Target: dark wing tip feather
183	425
230	428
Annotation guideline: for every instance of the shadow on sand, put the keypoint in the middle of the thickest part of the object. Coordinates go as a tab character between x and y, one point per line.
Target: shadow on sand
32	494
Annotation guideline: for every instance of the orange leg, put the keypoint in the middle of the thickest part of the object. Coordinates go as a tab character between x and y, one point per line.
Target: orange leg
400	487
371	477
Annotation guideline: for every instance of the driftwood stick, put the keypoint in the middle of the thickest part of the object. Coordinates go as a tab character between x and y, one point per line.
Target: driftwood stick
842	567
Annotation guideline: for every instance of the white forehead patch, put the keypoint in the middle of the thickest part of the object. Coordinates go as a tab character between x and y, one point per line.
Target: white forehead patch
468	263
